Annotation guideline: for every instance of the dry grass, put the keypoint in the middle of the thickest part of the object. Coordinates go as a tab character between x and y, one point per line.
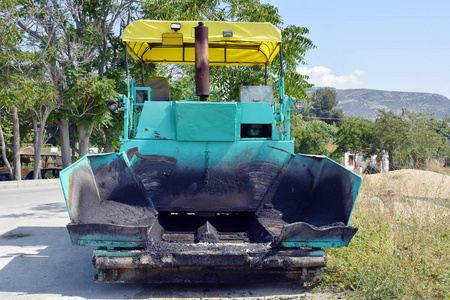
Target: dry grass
409	183
402	248
437	166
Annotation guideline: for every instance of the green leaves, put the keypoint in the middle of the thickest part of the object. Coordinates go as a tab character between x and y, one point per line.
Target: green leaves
355	134
87	96
323	101
182	10
312	137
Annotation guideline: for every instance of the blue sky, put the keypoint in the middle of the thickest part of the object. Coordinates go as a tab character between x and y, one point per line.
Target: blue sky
392	45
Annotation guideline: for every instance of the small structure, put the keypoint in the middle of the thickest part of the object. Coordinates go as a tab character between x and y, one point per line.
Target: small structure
49	159
356	162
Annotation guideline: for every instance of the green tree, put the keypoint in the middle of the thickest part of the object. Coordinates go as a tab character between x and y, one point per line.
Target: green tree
11	58
323	101
444	127
4	155
355	134
75	35
38	100
444	131
410	140
426	142
312	137
86	99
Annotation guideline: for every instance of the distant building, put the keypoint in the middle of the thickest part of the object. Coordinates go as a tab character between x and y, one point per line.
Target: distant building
357	163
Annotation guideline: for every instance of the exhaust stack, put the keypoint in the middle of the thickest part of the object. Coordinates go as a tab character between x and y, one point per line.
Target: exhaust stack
201	62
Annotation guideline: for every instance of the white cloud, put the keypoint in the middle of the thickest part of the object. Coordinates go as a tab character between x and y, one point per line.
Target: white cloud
322	76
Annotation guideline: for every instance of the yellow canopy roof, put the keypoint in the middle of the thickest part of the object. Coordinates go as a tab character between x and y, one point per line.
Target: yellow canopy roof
155	42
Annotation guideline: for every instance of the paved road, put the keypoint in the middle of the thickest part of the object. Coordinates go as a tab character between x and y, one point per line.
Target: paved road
38	261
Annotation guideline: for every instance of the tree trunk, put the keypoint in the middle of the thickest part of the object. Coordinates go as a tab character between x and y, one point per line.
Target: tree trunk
16	145
391	160
74	157
65	142
84	139
4	157
37	148
39	129
73	142
107	133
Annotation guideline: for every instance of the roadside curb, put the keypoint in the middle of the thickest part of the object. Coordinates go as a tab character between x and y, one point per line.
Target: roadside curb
29	183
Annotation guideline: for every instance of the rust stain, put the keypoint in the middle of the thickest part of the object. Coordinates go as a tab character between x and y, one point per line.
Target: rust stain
275	148
131	152
146	129
70	190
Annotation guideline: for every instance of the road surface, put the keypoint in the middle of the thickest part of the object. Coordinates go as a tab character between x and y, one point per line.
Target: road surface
38	261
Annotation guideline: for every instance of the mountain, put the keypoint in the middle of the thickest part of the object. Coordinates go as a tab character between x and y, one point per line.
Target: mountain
366	102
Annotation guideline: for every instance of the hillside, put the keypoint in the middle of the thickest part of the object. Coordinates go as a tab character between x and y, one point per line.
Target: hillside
366	102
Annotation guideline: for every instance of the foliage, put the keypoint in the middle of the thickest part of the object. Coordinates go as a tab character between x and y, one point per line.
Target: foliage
295	45
444	127
87	97
410	140
323	100
10	36
401	248
313	136
355	134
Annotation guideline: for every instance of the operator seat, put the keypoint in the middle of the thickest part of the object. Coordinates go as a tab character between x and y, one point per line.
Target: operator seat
160	88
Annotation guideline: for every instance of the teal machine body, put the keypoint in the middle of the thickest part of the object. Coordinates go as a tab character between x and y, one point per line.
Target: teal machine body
208	191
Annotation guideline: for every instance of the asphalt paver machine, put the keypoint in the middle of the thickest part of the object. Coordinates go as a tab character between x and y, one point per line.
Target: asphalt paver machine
205	190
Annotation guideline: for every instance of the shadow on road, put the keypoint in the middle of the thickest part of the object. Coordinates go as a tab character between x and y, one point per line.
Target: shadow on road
51	207
42	260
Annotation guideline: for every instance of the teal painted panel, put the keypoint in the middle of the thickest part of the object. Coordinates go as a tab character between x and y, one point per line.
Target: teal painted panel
115	253
203	121
97	161
256	113
67	180
101	242
315	244
156	121
219	154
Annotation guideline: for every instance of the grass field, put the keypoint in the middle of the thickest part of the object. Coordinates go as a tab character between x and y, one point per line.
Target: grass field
402	248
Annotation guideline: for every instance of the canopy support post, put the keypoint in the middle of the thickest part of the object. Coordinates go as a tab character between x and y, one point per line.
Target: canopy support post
265	76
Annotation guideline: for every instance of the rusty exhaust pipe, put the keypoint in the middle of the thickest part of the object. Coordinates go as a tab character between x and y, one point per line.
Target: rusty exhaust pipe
201	62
